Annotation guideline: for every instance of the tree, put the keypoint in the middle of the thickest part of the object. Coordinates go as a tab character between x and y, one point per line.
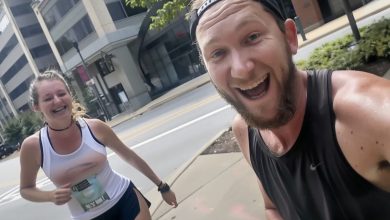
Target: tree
13	131
20	127
170	10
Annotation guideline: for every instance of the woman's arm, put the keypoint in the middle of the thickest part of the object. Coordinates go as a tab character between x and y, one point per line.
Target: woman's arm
107	136
30	159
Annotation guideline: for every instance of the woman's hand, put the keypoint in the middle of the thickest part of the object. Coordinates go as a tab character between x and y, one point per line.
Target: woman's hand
170	198
61	195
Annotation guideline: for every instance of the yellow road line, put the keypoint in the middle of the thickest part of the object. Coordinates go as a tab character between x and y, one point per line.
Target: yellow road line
164	119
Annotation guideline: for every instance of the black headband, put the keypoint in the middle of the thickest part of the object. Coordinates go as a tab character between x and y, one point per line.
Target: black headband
272	5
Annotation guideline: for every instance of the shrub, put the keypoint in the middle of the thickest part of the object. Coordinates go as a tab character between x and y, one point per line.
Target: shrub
20	127
344	53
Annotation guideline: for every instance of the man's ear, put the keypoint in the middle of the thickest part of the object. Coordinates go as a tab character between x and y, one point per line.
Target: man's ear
35	108
291	35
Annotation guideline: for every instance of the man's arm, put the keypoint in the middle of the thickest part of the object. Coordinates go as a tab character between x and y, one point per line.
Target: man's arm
362	107
240	130
271	212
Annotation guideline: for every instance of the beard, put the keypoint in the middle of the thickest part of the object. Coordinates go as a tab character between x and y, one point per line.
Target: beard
286	106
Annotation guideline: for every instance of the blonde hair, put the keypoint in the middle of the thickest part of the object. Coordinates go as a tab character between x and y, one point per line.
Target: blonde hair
195	4
77	109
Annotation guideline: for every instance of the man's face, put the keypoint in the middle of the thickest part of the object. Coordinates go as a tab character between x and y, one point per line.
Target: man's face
249	60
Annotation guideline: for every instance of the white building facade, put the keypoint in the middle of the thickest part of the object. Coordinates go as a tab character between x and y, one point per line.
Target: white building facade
24	52
105	33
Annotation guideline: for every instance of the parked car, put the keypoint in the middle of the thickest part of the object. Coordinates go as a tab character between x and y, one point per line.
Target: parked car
6	150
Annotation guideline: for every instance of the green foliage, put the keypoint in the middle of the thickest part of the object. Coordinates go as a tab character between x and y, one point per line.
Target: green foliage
13	131
345	54
88	98
21	127
376	41
171	10
31	123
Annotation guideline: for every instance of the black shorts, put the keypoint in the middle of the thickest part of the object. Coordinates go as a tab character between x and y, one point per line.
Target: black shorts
127	208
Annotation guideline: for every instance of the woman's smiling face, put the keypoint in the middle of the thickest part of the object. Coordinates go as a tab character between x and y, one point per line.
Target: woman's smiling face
54	100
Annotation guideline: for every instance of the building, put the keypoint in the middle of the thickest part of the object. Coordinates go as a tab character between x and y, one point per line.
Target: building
314	13
106	33
24	52
129	64
94	39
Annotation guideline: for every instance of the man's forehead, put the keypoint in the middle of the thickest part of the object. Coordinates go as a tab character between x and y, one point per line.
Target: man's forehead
219	5
243	14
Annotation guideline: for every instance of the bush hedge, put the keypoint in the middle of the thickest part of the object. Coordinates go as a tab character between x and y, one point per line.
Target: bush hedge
345	53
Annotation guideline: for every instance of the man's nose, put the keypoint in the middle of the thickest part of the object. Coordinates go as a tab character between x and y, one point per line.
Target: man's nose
56	99
241	65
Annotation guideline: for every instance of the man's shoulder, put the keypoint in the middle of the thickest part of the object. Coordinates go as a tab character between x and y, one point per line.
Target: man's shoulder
240	131
342	78
239	122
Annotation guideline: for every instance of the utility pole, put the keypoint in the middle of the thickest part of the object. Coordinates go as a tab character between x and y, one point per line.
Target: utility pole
351	19
91	83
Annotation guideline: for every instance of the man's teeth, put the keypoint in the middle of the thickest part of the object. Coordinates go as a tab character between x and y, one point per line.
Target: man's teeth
254	84
58	109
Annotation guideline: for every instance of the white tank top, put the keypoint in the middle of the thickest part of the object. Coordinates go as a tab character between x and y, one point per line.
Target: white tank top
95	186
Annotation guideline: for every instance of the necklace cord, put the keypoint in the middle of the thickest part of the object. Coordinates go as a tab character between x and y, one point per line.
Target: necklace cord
61	129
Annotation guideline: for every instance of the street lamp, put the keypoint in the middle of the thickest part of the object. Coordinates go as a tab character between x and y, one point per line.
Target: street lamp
91	83
351	19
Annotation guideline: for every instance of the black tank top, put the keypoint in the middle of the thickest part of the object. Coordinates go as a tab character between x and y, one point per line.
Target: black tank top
314	181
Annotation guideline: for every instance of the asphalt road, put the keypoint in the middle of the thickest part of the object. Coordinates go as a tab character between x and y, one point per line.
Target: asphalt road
166	137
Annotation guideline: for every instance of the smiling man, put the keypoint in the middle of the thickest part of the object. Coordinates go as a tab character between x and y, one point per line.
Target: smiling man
318	140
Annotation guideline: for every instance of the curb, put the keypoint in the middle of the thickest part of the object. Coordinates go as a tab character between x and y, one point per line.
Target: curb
181	170
168	96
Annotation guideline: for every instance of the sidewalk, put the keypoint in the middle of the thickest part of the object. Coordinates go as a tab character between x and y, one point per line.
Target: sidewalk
222	186
359	14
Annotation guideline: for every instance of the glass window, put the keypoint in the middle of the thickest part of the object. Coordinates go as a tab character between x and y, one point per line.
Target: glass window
132	11
77	33
8	47
3	23
24	108
31	30
19	64
21	9
82	28
116	10
64	6
64	44
20	89
41	51
119	10
51	18
59	10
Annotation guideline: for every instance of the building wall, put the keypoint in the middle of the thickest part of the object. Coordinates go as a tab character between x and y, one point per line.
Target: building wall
106	36
28	55
309	13
337	8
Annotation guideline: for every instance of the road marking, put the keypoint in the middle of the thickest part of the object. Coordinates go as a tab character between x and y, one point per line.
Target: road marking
13	194
179	127
165	118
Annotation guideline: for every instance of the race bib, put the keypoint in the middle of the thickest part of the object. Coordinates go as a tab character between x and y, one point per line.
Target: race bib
89	193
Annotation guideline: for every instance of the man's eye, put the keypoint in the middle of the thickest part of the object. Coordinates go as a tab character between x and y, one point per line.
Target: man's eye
217	54
61	94
253	37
